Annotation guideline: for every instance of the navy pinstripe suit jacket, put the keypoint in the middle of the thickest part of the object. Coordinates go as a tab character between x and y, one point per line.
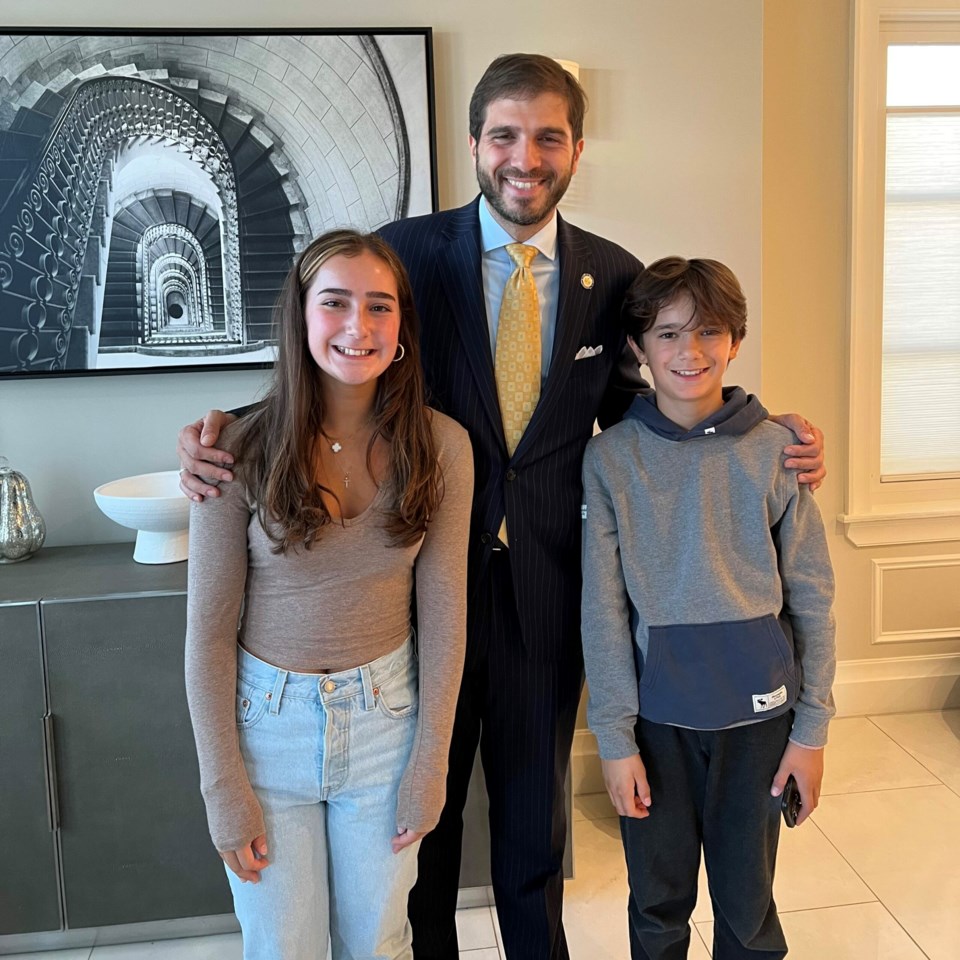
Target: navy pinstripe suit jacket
539	488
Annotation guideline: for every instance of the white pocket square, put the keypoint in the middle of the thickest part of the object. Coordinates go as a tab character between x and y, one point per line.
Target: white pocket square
585	352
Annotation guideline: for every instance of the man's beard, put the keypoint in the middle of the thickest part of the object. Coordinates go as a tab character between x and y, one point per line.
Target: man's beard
526	215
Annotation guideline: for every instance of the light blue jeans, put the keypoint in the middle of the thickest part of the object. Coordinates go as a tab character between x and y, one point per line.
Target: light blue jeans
325	754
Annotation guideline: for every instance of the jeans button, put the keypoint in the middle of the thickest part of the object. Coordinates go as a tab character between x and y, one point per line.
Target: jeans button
329	686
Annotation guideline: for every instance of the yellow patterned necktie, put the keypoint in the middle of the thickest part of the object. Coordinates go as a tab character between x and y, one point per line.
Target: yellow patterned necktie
517	360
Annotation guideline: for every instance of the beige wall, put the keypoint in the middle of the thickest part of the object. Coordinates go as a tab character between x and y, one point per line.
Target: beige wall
805	242
806	52
672	165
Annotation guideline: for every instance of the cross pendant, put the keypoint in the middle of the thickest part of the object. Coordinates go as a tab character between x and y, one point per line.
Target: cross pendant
346	480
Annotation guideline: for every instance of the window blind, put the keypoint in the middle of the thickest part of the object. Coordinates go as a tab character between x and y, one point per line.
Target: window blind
920	413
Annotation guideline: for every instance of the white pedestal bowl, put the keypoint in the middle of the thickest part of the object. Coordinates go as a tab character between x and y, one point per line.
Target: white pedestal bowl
153	505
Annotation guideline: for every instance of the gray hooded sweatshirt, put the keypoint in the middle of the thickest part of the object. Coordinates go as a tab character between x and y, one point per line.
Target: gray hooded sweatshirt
707	586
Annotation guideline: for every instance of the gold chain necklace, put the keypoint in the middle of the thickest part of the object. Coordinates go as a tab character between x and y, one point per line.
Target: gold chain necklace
337	445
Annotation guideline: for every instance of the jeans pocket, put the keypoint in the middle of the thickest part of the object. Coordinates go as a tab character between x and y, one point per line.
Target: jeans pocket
251	704
398	696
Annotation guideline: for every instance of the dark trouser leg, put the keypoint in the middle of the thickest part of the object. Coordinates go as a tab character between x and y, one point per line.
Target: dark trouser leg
663	850
525	747
432	906
741	829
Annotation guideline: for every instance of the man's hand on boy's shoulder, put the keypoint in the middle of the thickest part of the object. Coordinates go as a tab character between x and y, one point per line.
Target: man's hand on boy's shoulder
626	783
807	455
202	464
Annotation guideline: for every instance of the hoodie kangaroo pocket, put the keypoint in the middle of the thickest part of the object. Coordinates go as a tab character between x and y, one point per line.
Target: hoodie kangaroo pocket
713	675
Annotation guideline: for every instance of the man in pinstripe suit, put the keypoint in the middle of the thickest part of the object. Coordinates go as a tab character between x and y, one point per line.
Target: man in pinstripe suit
523	675
522	678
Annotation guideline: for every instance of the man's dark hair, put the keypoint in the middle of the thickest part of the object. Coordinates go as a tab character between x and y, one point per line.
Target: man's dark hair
713	288
522	76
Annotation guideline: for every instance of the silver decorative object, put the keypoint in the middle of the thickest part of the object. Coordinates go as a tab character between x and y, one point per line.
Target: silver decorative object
22	530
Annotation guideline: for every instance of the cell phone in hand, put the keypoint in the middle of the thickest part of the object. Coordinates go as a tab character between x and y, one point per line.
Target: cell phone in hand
790	802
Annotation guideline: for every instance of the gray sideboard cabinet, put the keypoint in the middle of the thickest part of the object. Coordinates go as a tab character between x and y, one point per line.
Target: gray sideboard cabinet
100	805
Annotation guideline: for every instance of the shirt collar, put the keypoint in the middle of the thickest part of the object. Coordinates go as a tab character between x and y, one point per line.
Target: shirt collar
493	236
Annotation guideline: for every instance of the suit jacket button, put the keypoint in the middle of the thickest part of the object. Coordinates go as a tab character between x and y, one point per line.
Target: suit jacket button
486	538
511	474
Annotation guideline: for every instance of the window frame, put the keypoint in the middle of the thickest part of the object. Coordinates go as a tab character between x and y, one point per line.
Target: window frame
902	510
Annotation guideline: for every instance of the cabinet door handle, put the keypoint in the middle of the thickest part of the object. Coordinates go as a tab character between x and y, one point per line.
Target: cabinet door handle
50	767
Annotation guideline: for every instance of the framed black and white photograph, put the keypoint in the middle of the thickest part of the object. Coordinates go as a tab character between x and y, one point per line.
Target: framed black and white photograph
155	187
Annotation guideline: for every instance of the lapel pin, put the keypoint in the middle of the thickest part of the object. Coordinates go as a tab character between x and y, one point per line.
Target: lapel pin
586	281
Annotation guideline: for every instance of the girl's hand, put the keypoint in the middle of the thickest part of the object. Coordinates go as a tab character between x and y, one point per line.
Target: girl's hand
404	838
247	862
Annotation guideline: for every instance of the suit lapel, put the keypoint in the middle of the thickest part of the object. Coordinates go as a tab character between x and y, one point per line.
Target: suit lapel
460	274
573	307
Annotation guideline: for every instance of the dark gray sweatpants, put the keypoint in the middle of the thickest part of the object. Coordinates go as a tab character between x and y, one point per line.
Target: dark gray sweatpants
709	787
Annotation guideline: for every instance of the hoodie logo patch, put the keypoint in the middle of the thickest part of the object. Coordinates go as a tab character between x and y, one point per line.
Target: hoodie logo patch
768	701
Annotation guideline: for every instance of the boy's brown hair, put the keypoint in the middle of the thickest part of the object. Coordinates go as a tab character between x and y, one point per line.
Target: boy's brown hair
713	288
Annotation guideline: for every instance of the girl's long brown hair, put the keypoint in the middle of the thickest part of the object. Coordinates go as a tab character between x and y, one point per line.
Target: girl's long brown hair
275	447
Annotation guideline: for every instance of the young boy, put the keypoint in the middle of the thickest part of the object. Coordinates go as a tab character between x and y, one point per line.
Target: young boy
707	630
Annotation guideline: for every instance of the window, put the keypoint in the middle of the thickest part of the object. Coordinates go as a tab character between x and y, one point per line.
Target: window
920	408
904	480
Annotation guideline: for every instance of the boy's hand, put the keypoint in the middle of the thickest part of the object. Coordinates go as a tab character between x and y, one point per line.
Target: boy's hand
202	463
807	455
806	765
626	783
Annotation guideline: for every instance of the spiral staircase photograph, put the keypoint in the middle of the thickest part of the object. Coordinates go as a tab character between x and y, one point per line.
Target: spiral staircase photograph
155	189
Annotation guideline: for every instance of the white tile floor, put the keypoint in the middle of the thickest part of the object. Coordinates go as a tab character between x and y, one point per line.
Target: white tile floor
875	874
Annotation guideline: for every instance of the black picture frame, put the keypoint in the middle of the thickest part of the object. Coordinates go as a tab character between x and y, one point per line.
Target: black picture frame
156	184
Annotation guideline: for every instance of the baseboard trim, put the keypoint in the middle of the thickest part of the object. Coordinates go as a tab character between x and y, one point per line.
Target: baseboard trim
17	943
891	685
897	684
